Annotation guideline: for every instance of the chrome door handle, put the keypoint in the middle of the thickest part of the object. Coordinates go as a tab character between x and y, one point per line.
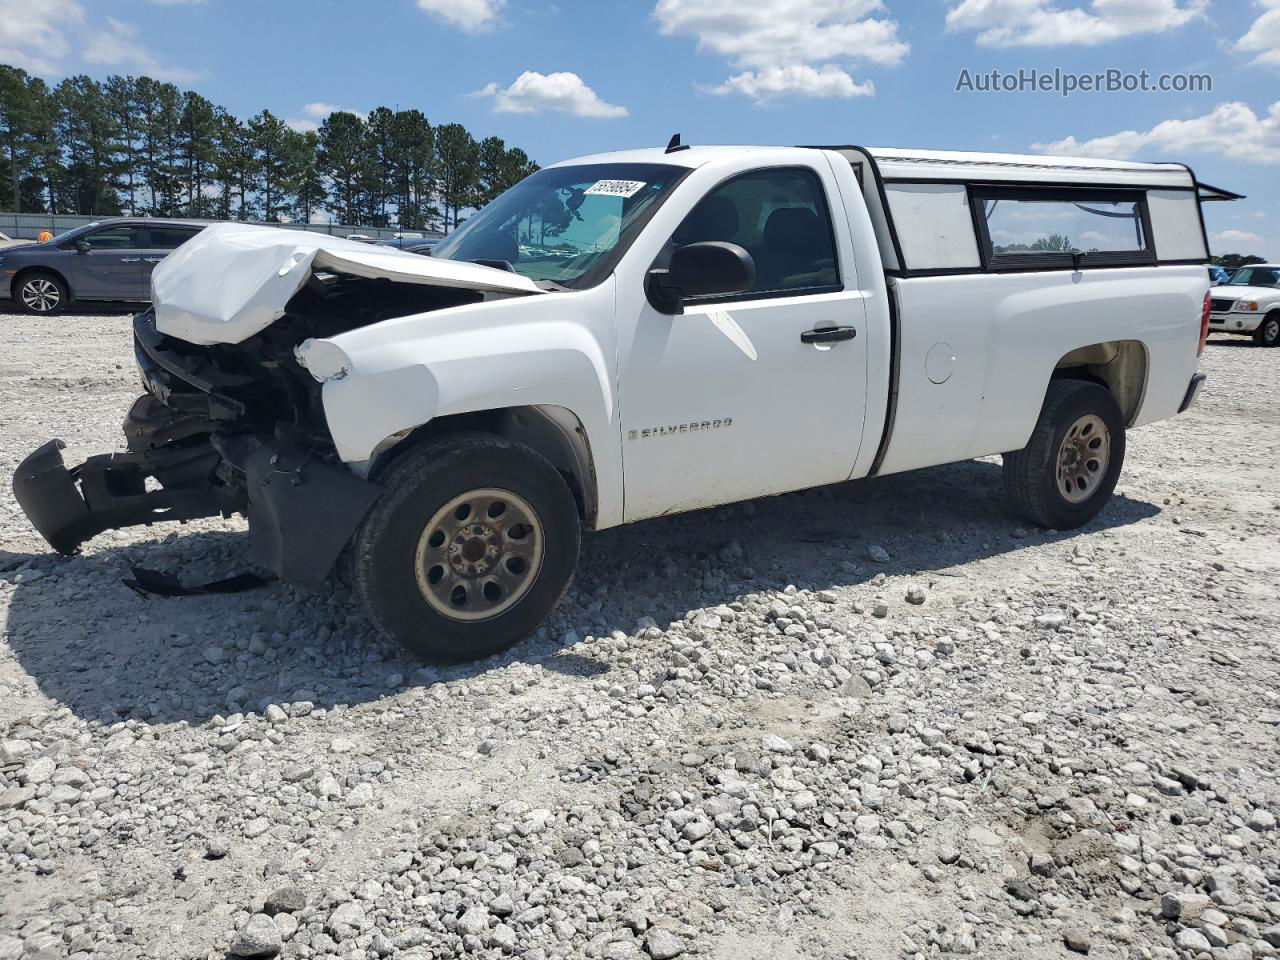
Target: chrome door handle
154	259
828	335
130	259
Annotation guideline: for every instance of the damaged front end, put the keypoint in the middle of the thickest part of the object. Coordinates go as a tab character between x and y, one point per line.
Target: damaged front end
209	438
230	421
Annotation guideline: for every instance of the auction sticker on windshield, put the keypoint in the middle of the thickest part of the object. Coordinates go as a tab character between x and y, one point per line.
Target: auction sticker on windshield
614	188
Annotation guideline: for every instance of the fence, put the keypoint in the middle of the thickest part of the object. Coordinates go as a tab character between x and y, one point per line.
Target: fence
28	226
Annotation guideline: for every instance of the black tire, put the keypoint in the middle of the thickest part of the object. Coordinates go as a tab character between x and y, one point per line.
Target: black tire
420	484
1268	332
40	292
1031	475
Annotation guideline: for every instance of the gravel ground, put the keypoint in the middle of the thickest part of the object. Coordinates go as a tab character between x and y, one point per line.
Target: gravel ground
875	720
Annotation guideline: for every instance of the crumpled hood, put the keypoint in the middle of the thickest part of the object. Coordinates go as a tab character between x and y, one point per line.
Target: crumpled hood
233	280
1239	292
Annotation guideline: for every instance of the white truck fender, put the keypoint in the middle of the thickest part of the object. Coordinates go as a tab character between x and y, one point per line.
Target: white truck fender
547	351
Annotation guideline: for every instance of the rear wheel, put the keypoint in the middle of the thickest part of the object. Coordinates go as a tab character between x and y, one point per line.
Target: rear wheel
1268	332
471	547
41	292
1068	470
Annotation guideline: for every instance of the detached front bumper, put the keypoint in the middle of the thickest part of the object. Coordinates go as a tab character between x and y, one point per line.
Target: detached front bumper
112	492
302	511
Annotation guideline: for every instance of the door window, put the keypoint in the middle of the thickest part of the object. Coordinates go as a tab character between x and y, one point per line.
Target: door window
116	238
780	217
170	238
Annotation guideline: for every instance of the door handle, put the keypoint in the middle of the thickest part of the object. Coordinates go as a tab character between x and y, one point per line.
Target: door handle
828	335
130	259
154	259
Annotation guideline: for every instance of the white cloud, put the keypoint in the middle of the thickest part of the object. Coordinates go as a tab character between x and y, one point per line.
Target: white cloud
33	35
1232	240
473	16
1047	23
117	46
315	112
1263	37
800	78
1230	129
564	92
788	46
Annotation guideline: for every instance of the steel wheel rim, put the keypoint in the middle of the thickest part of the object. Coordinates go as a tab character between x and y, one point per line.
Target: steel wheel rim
479	554
1083	458
1271	332
40	294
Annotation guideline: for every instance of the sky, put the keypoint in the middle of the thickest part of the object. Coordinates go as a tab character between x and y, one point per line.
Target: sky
585	76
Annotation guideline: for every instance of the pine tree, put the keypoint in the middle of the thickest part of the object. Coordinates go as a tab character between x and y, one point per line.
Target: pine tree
121	97
19	107
458	156
342	162
233	168
146	147
302	182
267	135
413	169
88	135
198	151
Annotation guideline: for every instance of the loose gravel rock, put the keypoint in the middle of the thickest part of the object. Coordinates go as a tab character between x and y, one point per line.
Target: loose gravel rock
875	720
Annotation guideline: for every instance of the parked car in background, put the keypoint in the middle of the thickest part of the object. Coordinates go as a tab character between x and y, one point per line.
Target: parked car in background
106	260
1249	304
421	245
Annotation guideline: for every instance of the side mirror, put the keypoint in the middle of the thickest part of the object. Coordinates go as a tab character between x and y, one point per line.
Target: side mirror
82	246
712	268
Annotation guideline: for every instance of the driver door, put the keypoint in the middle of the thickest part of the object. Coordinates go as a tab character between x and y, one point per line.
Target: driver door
734	399
112	267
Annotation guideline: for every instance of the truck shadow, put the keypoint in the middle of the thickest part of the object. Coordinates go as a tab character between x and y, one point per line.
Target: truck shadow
106	653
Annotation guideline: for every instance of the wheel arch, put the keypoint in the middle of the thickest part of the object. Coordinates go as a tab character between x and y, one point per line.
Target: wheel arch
24	272
1122	366
555	432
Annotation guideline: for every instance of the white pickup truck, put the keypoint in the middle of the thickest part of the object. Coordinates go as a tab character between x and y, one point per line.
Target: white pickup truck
636	334
1249	303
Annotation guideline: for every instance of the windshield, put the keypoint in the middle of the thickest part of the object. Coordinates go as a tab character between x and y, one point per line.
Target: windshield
566	225
1256	277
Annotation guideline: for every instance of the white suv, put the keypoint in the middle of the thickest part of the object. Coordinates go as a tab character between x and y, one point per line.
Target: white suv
1249	303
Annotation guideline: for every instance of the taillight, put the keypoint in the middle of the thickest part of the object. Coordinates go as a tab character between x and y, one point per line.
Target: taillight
1204	325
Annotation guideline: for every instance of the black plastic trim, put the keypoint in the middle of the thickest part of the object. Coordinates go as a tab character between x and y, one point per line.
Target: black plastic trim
302	510
112	491
1193	390
764	295
880	192
891	407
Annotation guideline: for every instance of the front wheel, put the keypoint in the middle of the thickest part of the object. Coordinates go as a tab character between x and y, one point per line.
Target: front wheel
41	293
471	547
1268	332
1068	470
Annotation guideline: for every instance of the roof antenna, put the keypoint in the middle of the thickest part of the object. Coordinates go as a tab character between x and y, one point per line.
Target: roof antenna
674	145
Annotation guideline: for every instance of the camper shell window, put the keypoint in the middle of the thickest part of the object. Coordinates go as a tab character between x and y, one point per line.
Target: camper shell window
1045	228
